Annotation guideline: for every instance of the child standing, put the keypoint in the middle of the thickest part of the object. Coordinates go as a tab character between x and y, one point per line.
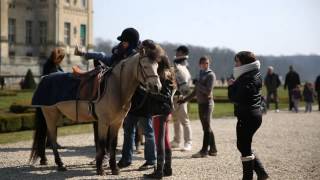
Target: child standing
296	97
308	96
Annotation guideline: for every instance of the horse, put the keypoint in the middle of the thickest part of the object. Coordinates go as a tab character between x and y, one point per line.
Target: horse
110	110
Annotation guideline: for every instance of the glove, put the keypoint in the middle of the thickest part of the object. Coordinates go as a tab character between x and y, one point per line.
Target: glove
78	52
181	101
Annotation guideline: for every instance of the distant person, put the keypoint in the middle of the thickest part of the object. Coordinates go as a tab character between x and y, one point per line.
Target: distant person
317	88
291	81
223	80
244	92
203	91
308	96
2	82
272	82
180	113
296	98
52	65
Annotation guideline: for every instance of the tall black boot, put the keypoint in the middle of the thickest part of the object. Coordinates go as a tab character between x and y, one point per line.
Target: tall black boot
205	143
247	167
213	149
158	172
167	170
259	169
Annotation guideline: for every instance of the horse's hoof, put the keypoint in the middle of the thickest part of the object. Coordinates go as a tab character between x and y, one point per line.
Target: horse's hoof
62	168
43	163
101	172
115	171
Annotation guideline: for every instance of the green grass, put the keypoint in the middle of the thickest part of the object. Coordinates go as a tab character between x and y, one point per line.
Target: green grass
24	97
27	135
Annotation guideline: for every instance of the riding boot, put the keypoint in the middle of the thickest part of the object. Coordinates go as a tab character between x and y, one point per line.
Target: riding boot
212	143
259	169
205	142
158	172
247	167
167	170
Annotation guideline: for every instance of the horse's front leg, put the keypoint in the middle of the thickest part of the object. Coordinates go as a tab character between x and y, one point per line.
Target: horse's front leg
101	148
112	161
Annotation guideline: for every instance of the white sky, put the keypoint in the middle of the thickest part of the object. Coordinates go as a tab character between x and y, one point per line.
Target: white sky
266	27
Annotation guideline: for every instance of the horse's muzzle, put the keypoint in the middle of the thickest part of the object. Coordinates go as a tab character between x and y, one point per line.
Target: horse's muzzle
153	88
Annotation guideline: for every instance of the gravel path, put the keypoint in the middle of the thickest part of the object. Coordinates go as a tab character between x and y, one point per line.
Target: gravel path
288	144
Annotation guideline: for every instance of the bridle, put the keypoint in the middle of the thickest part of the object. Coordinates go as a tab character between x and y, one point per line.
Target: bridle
144	74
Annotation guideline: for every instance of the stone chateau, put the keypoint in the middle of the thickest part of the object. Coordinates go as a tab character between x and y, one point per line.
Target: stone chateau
30	29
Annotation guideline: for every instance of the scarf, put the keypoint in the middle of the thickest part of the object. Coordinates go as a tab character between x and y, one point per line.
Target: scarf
180	59
238	71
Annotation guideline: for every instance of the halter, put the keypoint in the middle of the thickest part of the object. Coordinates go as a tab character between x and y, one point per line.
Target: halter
145	76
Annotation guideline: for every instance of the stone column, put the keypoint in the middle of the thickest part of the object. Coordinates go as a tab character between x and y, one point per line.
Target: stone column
4	51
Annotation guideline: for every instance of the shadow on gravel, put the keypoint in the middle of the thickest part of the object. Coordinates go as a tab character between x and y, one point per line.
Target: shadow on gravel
46	172
84	171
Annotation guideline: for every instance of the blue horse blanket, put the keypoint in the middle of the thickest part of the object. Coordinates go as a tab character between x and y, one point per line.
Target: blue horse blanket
54	88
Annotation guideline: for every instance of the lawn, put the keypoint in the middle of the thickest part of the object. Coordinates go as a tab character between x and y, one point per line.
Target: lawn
24	97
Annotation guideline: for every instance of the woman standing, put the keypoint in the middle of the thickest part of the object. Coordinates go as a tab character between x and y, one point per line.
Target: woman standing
203	91
161	107
244	92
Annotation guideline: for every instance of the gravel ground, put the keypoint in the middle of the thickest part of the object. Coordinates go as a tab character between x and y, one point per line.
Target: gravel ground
288	144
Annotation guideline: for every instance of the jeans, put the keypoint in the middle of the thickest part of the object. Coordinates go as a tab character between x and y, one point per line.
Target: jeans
308	107
275	98
129	126
205	114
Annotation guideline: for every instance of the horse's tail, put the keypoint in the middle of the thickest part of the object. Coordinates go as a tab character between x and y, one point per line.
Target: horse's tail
39	137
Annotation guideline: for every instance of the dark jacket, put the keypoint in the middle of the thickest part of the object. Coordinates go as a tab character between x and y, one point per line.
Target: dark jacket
49	67
146	104
292	80
245	93
308	94
317	85
139	104
203	88
272	82
161	104
296	94
118	54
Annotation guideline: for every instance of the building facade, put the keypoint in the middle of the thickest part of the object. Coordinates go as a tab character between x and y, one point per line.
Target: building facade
30	29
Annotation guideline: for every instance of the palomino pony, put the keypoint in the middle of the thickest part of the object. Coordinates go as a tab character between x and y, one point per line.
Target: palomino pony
110	110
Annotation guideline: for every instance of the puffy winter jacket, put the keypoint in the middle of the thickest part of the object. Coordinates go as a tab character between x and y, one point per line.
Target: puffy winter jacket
245	93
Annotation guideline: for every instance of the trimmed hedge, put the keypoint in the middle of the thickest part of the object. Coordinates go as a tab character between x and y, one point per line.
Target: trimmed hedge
28	121
8	93
15	122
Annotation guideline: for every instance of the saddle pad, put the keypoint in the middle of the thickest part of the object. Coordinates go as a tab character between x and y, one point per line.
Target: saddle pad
54	88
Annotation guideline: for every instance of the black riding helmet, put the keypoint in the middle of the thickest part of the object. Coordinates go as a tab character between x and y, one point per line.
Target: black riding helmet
130	35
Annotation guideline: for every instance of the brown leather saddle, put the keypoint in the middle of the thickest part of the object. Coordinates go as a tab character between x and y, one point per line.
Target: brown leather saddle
92	83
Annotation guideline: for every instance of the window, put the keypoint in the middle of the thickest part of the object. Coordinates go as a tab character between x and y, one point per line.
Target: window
67	33
28	32
84	3
43	31
75	2
83	34
12	31
67	2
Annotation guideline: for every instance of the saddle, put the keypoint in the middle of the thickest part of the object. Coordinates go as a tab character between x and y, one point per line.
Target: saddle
92	84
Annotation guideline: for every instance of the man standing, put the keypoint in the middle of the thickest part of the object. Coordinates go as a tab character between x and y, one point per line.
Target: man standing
292	80
317	85
180	113
272	82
